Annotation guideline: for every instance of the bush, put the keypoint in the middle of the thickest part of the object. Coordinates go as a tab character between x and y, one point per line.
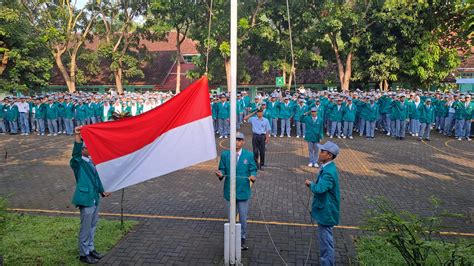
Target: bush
399	237
3	215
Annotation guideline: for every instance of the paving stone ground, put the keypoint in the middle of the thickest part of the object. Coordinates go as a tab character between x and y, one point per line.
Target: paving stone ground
34	174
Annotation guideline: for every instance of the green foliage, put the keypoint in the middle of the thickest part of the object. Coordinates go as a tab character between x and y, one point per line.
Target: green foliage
28	63
399	237
54	241
3	216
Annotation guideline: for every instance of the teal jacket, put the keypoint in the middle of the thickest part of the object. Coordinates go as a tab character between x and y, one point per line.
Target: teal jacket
399	111
214	110
223	110
285	111
349	113
61	109
314	129
68	110
462	113
335	114
414	112
12	113
52	111
2	110
300	111
370	112
273	109
41	111
108	116
81	112
88	184
246	167
427	113
326	199
89	110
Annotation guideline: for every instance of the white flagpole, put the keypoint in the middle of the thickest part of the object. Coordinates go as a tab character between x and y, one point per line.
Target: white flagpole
233	117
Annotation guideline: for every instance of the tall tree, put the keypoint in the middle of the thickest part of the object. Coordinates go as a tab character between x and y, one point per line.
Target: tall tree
64	28
178	16
119	36
24	63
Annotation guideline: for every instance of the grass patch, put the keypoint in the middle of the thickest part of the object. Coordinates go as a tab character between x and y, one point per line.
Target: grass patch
375	250
44	240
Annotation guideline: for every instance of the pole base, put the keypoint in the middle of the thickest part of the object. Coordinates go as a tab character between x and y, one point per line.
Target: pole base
238	251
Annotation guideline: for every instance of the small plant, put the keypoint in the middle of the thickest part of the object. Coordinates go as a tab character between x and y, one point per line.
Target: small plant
413	238
3	215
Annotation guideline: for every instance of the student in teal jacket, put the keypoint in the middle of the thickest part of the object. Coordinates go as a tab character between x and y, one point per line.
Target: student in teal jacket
12	117
335	116
371	115
427	118
285	112
400	115
3	129
348	117
86	198
314	134
52	112
272	106
223	117
68	107
40	110
246	172
326	201
300	110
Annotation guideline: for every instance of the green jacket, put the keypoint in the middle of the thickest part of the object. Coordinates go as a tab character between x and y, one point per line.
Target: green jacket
246	167
462	113
349	114
108	116
427	113
88	184
399	111
285	111
273	109
369	112
68	110
81	112
223	110
51	111
2	110
300	111
414	112
41	111
325	207
314	129
12	113
61	109
214	110
90	110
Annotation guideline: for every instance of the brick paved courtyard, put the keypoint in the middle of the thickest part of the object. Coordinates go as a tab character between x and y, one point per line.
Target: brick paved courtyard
34	172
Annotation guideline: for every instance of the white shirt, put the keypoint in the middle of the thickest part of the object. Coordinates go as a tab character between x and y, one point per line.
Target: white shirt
23	107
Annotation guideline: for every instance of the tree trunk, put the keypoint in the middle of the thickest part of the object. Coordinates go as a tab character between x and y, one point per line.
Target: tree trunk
72	71
227	72
118	80
381	85
4	62
347	73
178	64
284	74
59	63
385	85
290	80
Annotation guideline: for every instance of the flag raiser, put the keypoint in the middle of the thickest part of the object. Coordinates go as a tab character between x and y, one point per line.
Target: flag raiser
175	135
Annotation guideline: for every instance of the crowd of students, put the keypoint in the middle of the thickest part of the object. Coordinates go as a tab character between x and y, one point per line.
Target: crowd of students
395	114
59	113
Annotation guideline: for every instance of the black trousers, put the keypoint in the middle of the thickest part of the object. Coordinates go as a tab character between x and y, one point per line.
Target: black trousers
258	143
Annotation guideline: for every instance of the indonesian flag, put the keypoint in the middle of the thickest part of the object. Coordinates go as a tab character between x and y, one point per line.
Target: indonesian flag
175	135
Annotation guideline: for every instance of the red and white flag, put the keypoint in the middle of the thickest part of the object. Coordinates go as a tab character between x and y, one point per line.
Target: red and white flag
175	135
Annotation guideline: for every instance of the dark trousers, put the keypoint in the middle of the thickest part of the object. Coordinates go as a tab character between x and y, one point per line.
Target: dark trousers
258	143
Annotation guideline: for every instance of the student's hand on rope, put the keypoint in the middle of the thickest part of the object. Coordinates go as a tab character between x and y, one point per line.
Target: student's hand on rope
307	182
252	178
219	175
106	194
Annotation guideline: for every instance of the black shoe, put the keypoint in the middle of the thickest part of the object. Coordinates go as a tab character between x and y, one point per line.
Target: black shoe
88	259
96	255
243	246
427	139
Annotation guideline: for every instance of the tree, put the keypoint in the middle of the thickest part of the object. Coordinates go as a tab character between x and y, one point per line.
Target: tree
64	29
119	35
24	65
178	16
341	24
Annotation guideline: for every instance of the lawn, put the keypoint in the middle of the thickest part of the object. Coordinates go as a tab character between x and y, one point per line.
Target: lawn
45	240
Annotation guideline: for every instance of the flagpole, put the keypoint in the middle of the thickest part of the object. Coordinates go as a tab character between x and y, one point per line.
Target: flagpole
233	117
